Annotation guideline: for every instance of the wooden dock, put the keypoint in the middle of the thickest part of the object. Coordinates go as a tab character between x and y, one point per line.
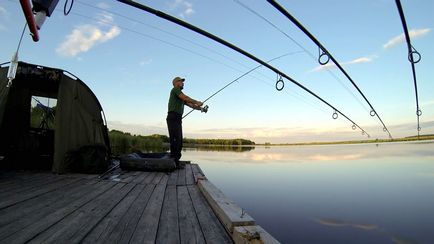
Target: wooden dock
124	207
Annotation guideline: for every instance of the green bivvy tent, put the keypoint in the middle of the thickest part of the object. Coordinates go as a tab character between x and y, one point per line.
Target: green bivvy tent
70	136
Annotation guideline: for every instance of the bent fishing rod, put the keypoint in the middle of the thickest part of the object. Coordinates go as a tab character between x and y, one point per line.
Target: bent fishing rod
230	83
411	52
325	53
241	51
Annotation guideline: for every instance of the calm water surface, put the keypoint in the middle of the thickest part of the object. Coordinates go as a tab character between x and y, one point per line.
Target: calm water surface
365	193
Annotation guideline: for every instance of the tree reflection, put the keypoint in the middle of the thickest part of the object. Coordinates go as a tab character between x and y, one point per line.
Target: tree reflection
219	148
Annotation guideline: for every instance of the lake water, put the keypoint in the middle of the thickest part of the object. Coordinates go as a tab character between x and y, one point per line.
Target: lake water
363	193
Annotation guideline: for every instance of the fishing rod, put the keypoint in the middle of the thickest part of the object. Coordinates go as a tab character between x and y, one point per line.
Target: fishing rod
300	46
230	83
411	52
279	73
324	53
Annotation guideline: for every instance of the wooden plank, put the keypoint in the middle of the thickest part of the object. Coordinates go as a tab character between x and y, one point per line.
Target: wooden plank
108	224
94	217
211	227
13	175
181	177
252	235
189	228
125	228
140	177
150	178
158	177
227	211
14	178
74	227
34	226
173	178
18	221
197	173
26	185
34	205
82	176
34	192
189	180
146	229
128	176
168	228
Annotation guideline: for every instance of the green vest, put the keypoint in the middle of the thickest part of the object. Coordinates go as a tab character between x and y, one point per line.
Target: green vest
175	104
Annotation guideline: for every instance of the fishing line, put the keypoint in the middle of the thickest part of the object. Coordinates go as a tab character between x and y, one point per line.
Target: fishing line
305	50
297	96
230	83
323	52
171	44
166	32
150	37
411	52
229	45
157	39
21	38
12	70
177	36
174	45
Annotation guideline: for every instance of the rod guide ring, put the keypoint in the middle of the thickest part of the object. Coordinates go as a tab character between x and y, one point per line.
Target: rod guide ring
335	115
280	81
412	55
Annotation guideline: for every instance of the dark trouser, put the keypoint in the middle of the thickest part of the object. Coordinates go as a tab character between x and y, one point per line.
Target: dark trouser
174	124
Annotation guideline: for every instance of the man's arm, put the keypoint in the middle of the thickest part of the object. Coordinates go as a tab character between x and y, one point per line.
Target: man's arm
193	106
190	101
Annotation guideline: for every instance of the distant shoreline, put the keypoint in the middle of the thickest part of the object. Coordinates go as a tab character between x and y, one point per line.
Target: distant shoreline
403	139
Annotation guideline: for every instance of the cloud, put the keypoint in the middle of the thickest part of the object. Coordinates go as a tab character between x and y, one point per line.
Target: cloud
185	7
426	103
4	15
105	19
84	37
401	38
360	60
331	65
3	12
145	62
103	5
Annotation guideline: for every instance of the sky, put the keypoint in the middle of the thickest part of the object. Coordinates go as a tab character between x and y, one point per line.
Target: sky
129	57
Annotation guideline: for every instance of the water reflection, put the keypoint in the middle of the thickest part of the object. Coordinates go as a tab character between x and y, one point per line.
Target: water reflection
285	154
219	148
341	223
371	194
367	227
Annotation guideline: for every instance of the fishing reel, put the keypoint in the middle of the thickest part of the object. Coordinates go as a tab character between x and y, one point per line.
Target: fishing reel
204	109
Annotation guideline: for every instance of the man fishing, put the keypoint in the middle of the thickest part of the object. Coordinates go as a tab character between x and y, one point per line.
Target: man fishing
177	100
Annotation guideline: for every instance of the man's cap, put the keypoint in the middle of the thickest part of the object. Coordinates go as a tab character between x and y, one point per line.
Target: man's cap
177	79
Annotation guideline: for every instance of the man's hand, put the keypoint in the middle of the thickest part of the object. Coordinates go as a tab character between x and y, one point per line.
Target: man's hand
204	109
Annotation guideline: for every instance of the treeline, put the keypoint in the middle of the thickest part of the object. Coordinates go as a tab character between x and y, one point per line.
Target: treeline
124	142
220	142
42	117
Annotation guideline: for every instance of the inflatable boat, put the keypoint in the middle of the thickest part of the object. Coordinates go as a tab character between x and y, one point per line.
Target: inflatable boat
147	162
